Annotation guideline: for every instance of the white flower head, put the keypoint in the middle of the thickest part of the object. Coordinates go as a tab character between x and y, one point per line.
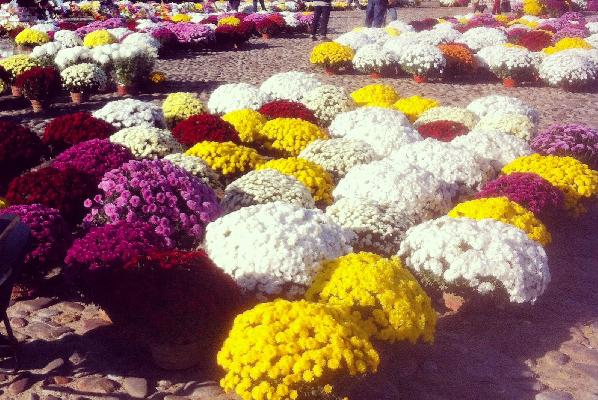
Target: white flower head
236	96
147	142
291	85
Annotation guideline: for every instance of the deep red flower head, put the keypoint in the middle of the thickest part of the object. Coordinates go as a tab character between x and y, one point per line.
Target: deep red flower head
68	130
444	131
535	40
39	83
287	109
204	127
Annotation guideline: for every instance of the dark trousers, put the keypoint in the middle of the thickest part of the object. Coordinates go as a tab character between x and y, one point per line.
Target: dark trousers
321	17
234	4
261	4
375	13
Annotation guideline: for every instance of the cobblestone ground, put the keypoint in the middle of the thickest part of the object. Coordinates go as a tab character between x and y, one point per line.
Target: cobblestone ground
70	350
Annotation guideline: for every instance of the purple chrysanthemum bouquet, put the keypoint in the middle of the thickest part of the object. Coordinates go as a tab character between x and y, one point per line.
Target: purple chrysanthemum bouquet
192	33
110	23
574	140
172	200
93	157
529	190
50	236
570	31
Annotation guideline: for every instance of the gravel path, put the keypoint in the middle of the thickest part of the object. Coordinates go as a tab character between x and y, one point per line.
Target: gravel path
548	352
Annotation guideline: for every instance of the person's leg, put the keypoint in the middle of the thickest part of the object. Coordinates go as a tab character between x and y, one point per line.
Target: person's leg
314	26
263	5
392	14
254	5
324	21
369	13
379	13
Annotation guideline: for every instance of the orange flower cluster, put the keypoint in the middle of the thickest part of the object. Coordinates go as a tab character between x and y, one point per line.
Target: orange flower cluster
459	59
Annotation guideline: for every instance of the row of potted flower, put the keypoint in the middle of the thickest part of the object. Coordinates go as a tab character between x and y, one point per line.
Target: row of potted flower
558	52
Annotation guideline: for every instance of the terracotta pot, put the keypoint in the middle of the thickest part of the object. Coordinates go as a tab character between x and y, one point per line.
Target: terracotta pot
420	79
453	302
330	71
177	356
24	48
375	75
16	91
266	36
37	106
509	82
79	98
123	90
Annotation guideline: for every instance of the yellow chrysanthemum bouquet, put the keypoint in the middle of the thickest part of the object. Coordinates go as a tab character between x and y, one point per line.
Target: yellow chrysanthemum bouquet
375	95
413	107
247	123
181	105
227	158
98	38
31	37
332	56
288	136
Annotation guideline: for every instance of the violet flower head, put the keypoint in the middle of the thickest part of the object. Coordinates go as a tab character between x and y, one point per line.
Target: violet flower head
527	189
93	157
192	33
574	140
570	31
174	202
50	235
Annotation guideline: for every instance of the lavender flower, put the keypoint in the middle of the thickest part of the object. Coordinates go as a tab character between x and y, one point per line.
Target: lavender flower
575	140
192	33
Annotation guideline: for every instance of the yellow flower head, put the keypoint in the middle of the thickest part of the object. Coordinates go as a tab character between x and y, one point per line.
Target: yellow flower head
18	64
198	7
502	18
181	105
31	37
226	157
157	77
504	210
567	43
576	179
415	106
523	21
331	54
3	202
392	31
532	7
98	38
279	348
391	304
180	18
248	123
233	21
313	176
289	135
375	94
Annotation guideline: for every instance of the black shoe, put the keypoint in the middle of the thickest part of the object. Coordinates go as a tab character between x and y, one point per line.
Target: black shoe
314	38
324	39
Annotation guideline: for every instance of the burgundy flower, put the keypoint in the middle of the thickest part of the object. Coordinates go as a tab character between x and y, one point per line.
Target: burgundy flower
204	127
424	24
444	131
39	83
287	109
534	40
67	130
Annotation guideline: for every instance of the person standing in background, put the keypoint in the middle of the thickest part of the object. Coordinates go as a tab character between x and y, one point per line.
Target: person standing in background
234	5
321	17
375	13
392	9
261	4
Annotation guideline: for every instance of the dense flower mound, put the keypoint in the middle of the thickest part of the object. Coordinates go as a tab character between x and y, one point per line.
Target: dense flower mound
93	157
287	109
31	37
62	190
327	101
266	186
576	140
517	125
497	104
50	235
39	83
390	302
68	130
527	189
17	64
567	43
445	131
575	179
196	167
236	96
497	148
413	107
246	122
379	228
107	248
146	141
176	204
275	249
180	106
535	40
20	149
373	58
98	38
313	347
570	69
204	127
448	113
409	189
375	94
480	37
227	158
337	156
331	55
383	129
318	181
130	112
504	210
464	171
422	59
174	296
291	85
460	60
288	136
477	258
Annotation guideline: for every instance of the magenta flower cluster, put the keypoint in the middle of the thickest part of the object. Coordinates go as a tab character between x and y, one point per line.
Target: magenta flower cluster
93	157
109	247
575	140
172	200
570	31
529	190
50	234
192	33
110	23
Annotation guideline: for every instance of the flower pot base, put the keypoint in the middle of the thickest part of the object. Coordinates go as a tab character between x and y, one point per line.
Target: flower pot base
375	75
509	82
124	90
177	357
15	91
420	79
266	36
78	98
37	106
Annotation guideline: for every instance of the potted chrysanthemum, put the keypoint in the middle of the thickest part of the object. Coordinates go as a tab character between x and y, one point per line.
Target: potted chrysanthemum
39	85
82	79
332	56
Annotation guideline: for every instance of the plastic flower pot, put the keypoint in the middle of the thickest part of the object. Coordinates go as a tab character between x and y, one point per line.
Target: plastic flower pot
78	98
265	36
375	75
16	91
37	106
177	356
420	78
509	82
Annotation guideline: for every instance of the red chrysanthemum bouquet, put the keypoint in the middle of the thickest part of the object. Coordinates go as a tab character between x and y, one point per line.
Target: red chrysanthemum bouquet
39	85
67	130
460	60
444	131
204	127
535	40
287	109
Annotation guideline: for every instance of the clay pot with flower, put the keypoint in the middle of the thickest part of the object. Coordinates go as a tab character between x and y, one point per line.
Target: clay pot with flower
83	79
131	67
39	85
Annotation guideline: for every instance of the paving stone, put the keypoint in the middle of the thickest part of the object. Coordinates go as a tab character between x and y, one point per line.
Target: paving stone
71	306
174	397
35	304
18	322
18	386
53	366
41	330
553	395
96	384
557	358
586	395
94	323
61	380
51	397
135	387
